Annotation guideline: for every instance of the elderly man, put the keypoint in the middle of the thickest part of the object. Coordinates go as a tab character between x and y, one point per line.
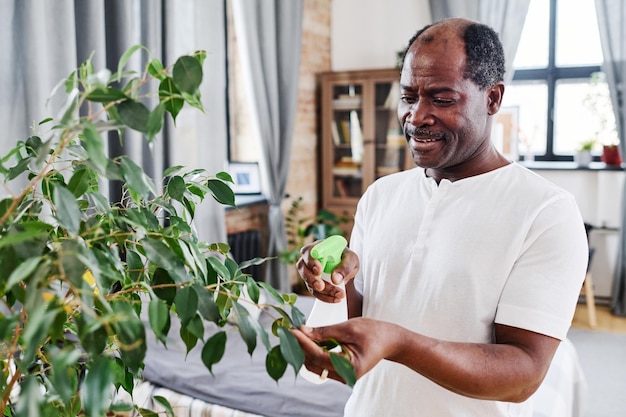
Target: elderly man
463	274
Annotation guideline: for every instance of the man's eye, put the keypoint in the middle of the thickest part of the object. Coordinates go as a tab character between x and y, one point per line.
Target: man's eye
407	99
442	102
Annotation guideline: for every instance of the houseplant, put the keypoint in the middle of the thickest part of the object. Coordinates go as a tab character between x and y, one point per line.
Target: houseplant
78	270
583	155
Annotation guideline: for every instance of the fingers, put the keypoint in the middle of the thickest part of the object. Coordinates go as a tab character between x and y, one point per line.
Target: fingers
310	271
317	359
348	267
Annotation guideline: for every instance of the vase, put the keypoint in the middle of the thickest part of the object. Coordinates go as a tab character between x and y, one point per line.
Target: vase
610	155
583	158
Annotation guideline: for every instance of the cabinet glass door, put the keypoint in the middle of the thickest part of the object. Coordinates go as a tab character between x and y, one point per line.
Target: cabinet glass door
390	144
347	135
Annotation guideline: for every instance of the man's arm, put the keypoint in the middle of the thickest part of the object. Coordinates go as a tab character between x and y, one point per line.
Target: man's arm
509	370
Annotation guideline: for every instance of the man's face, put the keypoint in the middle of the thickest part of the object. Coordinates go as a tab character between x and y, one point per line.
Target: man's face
444	115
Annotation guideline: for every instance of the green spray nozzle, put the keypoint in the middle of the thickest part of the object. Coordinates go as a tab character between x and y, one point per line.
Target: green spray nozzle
329	251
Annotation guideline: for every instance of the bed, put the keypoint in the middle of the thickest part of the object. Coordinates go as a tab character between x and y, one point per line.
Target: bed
241	387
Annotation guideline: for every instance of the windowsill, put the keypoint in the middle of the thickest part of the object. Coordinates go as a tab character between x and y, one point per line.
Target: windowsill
570	166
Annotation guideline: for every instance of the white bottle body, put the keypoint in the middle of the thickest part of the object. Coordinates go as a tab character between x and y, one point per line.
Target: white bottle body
325	314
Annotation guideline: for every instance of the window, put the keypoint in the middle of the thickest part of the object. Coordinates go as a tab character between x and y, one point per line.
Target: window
558	91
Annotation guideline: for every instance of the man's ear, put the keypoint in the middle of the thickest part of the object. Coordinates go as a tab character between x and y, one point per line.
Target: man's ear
494	97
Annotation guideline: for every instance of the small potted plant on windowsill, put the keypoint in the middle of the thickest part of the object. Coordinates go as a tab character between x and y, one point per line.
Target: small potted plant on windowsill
583	155
611	155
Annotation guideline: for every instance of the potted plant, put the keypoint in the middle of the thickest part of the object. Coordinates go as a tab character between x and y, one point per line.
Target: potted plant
611	155
583	155
78	269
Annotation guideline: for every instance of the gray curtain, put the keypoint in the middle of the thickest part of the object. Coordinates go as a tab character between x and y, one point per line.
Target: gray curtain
611	22
506	17
270	33
42	41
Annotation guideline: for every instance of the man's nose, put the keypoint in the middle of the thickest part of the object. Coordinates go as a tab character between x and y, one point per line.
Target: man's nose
419	114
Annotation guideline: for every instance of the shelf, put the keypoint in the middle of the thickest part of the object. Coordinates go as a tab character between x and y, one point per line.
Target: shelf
356	125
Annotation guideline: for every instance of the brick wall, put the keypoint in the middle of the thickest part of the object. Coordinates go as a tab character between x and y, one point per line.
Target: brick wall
315	57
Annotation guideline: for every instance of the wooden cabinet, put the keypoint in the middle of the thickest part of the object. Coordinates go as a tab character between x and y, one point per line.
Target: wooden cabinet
361	138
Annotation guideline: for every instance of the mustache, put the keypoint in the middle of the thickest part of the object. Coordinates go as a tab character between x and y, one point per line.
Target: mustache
424	133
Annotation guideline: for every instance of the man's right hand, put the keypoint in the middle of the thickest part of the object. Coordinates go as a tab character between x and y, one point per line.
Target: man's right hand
310	271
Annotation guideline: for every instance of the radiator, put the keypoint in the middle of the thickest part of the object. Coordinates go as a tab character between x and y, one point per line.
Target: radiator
245	246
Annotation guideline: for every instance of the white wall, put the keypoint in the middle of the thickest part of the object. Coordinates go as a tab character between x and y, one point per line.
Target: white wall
599	197
366	34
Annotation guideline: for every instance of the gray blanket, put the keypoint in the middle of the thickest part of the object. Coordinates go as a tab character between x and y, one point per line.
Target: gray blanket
241	382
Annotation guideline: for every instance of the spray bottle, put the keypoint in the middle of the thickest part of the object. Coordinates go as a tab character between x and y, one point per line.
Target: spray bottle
328	253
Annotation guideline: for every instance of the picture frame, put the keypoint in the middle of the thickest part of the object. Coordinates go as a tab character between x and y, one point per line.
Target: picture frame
246	177
505	131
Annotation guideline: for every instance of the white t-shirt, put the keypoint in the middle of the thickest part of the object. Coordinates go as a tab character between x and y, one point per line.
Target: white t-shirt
449	260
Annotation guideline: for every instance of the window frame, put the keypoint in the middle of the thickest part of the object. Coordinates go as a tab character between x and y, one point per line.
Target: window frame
551	75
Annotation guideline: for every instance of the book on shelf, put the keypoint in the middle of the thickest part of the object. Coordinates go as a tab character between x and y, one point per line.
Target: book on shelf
356	136
335	133
348	167
341	188
344	131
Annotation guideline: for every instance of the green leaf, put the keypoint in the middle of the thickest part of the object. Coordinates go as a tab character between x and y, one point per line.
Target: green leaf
130	331
155	122
125	57
253	289
220	247
161	255
219	267
106	95
29	401
171	171
188	338
187	74
159	316
144	412
206	305
79	183
134	115
275	364
200	55
155	68
67	211
165	404
186	302
176	188
18	169
225	176
221	192
196	326
298	318
213	350
245	327
165	285
63	375
170	97
290	348
272	292
94	145
98	380
344	368
134	176
22	272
